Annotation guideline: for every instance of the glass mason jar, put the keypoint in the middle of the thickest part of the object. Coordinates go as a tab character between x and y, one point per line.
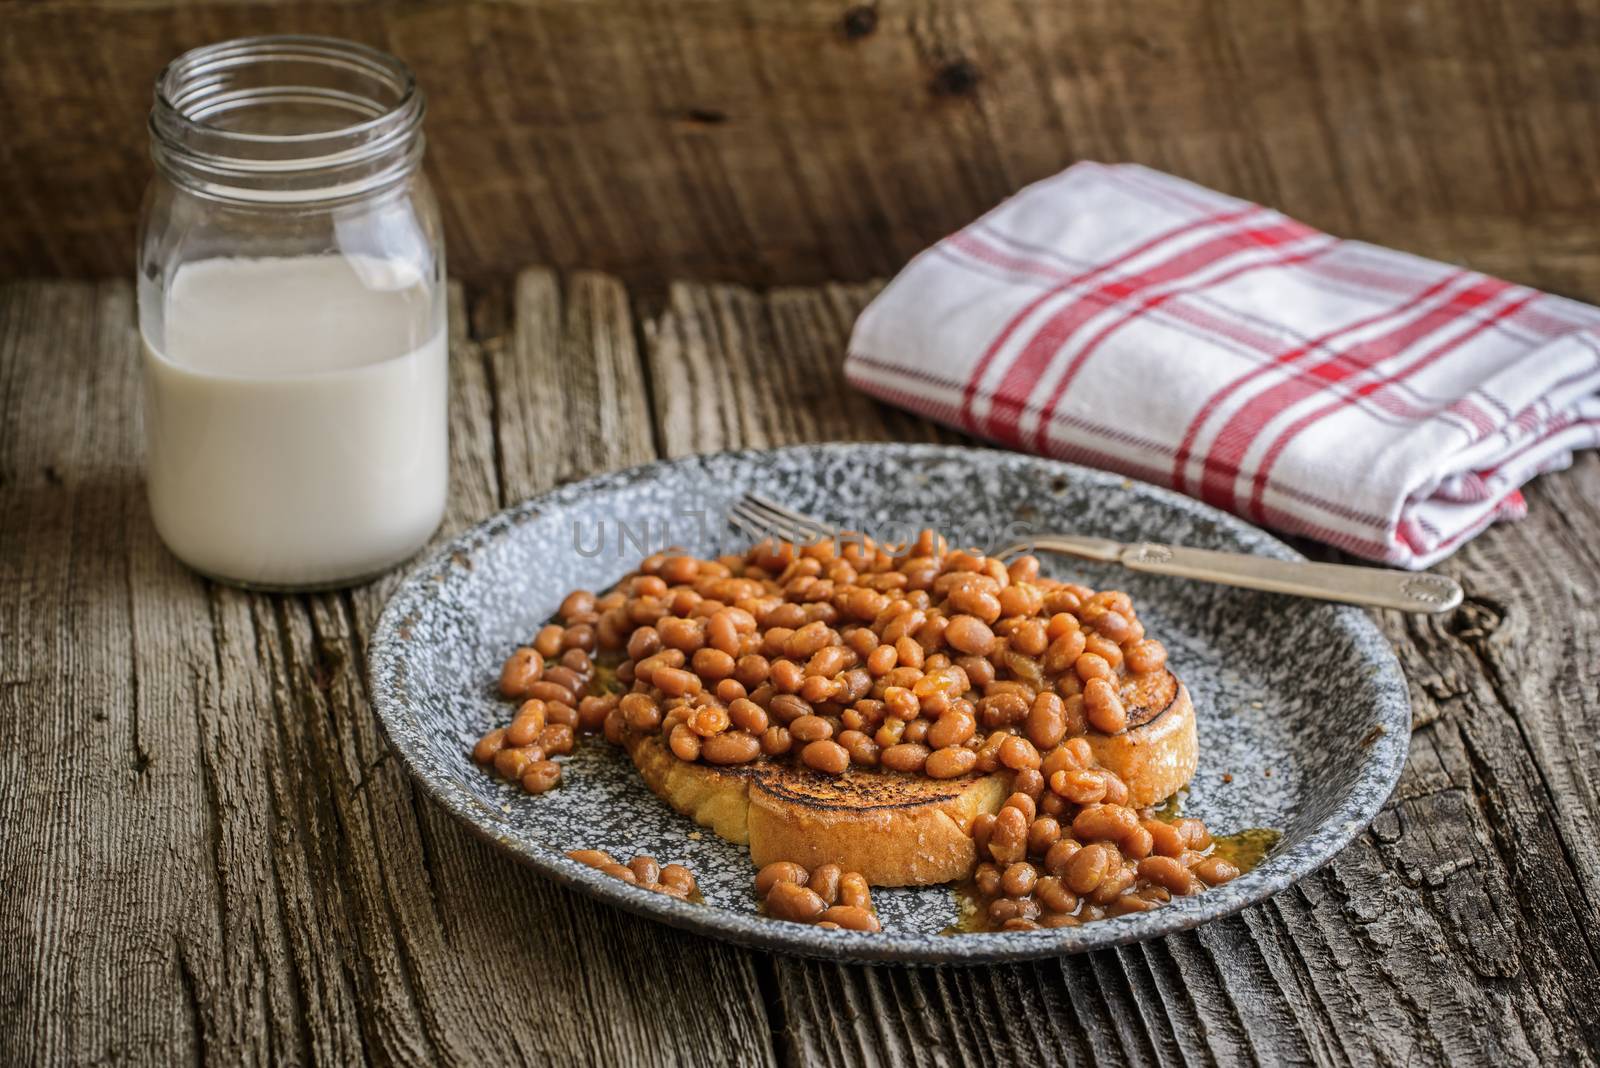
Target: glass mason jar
292	311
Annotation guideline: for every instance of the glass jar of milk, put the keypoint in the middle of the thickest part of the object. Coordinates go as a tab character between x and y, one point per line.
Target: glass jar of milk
292	309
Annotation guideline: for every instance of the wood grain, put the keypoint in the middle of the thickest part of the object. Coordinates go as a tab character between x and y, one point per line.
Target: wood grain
209	854
785	143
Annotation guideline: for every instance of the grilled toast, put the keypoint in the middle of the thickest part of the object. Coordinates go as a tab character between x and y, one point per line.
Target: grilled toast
900	830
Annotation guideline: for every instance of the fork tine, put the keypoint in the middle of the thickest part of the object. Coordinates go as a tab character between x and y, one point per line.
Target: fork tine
795	520
762	526
746	526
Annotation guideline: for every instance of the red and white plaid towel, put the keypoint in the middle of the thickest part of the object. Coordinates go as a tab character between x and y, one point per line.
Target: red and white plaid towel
1122	318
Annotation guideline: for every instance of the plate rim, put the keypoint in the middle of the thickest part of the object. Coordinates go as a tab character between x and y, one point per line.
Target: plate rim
1380	771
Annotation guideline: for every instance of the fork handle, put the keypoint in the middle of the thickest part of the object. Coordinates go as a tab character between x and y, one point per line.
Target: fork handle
1379	588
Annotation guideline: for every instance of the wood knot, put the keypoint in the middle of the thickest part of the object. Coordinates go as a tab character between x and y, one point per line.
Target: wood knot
860	21
705	116
959	77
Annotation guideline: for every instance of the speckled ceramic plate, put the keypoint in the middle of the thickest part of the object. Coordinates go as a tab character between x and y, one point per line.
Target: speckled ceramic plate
1303	713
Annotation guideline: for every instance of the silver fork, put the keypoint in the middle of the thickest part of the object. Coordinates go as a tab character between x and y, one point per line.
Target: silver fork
1376	587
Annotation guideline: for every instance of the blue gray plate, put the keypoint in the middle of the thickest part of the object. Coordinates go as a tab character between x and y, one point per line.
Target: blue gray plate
1304	716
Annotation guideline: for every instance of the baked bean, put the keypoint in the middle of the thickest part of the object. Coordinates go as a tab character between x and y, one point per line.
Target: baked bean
722	634
788	901
1053	805
1167	872
730	747
1022	803
1089	666
1063	651
566	678
825	756
1214	871
752	669
1047	721
1195	833
989	752
779	871
788	707
1102	706
562	713
905	756
807	640
1060	758
643	643
579	636
708	721
1019	879
528	723
854	891
712	665
1029	638
522	669
952	728
1105	649
1004	708
1009	842
1081	786
541	775
1103	822
882	660
684	743
1028	781
986	877
970	635
862	748
557	739
855	684
828	661
1137	844
982	830
787	676
1060	854
824	881
1017	752
1145	656
620	871
592	711
1054	896
851	918
1043	833
950	762
512	762
646	869
548	640
776	740
974	600
810	728
640	711
1088	868
687	635
747	715
678	877
1165	839
593	858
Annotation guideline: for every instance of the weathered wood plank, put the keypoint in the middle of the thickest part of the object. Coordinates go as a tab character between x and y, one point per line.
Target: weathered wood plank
784	143
208	852
1460	929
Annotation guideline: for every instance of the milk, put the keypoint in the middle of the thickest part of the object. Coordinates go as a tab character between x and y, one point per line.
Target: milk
295	417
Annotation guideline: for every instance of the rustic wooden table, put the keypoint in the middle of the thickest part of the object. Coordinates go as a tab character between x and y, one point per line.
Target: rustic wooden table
207	853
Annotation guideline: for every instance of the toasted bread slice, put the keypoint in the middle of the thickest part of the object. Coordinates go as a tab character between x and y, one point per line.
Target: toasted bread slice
898	830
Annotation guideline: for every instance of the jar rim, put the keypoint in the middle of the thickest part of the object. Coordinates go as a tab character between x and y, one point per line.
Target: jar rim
274	75
238	51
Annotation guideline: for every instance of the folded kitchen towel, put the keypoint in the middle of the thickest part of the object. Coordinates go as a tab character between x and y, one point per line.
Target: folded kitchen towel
1128	320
